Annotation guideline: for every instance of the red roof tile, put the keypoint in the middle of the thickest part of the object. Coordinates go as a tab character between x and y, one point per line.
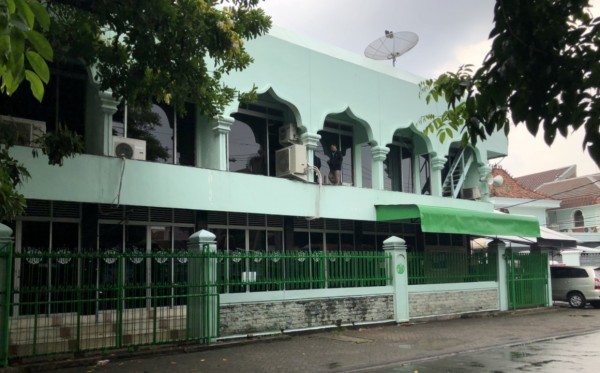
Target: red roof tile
511	188
533	181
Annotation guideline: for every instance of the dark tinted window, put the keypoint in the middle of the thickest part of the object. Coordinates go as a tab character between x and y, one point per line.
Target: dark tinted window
568	272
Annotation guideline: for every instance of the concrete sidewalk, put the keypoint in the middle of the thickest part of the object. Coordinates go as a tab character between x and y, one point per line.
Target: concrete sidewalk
360	349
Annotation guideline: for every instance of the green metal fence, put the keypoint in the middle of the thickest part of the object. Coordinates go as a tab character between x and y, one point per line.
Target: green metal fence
70	302
527	276
242	271
451	267
65	302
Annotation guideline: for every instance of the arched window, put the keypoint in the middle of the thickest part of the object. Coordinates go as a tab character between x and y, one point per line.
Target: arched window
405	170
578	218
340	134
169	137
254	137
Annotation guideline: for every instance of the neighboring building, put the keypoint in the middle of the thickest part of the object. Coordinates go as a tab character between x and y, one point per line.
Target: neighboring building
511	197
579	212
534	181
245	177
515	198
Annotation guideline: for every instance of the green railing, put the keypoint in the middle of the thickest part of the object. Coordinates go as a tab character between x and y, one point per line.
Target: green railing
241	271
451	267
67	302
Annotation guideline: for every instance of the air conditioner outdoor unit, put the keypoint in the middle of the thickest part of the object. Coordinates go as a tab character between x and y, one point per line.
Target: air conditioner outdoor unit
129	148
471	193
288	134
26	131
291	161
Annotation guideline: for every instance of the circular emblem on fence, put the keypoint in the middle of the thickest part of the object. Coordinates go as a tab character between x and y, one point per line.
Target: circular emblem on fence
182	257
275	257
136	256
236	257
161	257
110	256
33	259
400	269
65	259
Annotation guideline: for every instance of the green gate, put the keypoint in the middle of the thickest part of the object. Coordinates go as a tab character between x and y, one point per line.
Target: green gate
527	277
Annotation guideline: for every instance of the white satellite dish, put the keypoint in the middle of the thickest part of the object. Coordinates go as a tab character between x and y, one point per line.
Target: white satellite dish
392	45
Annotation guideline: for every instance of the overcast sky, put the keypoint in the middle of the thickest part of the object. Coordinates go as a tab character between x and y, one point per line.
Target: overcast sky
451	33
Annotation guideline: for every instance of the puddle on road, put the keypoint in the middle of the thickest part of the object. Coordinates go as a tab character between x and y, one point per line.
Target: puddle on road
515	355
345	338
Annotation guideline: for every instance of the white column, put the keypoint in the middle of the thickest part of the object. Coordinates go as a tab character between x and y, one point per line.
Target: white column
311	140
437	165
221	128
484	187
379	154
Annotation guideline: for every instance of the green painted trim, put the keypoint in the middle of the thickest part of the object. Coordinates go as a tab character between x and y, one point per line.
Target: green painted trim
437	219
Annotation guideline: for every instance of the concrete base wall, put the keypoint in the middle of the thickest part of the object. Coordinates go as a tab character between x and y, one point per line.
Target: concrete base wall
248	318
448	303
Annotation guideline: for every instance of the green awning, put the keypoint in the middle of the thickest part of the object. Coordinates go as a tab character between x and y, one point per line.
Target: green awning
437	219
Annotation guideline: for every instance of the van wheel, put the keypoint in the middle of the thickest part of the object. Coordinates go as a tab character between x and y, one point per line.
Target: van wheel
595	304
576	300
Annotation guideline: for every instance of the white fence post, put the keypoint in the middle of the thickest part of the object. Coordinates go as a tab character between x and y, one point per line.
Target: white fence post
500	248
203	302
397	249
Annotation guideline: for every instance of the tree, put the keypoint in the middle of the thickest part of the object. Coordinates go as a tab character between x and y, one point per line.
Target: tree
143	51
543	70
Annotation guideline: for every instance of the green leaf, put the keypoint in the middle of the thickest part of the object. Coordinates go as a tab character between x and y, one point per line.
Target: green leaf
41	15
11	82
5	47
17	48
25	12
11	6
36	85
40	44
39	65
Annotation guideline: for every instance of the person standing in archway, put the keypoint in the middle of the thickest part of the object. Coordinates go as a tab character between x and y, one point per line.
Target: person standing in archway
335	165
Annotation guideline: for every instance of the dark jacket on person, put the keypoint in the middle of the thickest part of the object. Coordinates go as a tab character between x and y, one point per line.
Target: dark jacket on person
335	160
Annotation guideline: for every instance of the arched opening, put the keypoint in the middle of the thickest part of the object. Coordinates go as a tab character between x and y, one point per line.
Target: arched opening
350	136
169	137
407	166
578	220
254	136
